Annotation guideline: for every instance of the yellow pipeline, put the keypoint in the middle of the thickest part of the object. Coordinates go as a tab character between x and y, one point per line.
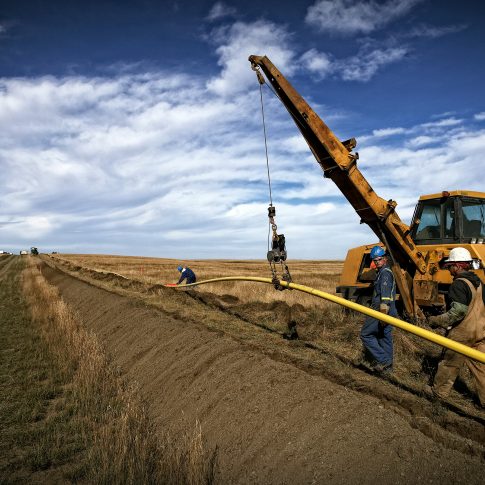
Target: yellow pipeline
395	322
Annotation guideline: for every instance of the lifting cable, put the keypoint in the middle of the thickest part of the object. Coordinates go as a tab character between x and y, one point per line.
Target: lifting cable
277	253
261	80
395	322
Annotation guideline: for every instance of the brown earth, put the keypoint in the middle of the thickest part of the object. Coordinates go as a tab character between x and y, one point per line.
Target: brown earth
277	411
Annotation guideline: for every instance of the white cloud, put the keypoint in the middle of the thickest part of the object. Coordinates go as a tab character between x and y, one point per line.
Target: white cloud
446	122
363	67
479	116
416	168
422	140
147	159
317	62
237	42
34	226
348	17
446	114
159	165
383	132
221	10
433	32
295	144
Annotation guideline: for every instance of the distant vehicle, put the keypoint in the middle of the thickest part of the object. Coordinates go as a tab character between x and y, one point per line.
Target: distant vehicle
23	252
54	252
34	250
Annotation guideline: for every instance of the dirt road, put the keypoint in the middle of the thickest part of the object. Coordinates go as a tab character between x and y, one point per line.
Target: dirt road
276	411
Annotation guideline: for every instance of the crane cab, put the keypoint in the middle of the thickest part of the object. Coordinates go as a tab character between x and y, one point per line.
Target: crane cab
449	218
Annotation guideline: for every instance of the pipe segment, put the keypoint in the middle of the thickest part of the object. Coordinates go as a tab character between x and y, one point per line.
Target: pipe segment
395	322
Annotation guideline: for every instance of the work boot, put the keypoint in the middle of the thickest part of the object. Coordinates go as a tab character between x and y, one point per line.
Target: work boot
431	392
384	369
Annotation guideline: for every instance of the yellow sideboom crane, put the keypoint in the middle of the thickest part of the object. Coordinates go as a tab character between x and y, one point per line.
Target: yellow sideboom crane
415	266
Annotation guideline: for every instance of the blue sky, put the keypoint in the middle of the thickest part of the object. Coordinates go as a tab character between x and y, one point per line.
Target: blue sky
134	127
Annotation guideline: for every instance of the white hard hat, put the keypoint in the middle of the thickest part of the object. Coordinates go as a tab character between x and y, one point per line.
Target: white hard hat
459	255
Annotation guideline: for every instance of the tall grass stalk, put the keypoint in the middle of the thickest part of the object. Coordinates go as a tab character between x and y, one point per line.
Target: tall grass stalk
123	445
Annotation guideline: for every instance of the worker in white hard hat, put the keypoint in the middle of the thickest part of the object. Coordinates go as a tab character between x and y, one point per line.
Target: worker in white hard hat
464	322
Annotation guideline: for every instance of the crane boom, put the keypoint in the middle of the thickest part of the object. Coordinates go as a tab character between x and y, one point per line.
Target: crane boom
340	165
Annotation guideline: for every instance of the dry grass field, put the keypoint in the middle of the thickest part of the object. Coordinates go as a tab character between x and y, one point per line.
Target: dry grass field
215	355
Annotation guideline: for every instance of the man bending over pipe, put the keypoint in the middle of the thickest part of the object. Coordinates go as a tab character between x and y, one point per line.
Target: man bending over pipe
186	274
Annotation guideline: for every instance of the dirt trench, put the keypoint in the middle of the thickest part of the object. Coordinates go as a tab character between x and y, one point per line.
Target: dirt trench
273	416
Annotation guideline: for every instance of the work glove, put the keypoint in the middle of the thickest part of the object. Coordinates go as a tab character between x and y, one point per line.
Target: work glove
383	308
439	321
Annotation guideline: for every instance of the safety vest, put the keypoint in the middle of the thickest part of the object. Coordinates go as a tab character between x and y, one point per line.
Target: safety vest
471	330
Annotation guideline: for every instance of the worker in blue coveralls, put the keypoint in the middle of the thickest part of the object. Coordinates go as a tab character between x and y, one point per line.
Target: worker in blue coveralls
376	335
186	274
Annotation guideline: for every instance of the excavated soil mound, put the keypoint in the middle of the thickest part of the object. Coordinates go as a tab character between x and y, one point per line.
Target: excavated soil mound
272	418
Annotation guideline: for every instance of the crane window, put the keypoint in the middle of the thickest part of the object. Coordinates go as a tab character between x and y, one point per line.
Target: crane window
429	225
449	215
473	218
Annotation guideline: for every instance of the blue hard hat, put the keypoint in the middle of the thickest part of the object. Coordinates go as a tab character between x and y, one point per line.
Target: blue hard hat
377	252
179	268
